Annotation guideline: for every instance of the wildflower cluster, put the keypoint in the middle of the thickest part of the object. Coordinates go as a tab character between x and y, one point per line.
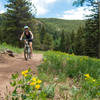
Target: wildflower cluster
35	83
92	85
87	77
27	87
24	73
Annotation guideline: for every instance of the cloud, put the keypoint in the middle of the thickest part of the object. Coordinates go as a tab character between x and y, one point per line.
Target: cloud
77	13
42	6
2	11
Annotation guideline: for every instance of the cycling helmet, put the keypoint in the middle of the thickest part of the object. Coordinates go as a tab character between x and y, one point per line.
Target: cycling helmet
25	27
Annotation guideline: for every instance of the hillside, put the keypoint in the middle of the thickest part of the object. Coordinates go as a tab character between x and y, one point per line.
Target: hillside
59	24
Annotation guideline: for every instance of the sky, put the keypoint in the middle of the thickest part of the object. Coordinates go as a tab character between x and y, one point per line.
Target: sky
62	9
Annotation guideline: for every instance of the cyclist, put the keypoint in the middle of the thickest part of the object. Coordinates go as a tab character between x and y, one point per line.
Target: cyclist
29	36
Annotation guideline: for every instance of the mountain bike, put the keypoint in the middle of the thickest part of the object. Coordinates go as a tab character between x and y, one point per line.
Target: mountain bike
27	50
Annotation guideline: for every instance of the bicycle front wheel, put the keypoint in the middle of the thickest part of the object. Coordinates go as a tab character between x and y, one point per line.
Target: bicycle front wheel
26	56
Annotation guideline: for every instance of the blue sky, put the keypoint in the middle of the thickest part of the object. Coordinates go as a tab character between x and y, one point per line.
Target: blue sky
55	9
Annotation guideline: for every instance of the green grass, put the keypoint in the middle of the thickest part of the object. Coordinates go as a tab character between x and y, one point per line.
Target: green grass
4	46
71	65
65	66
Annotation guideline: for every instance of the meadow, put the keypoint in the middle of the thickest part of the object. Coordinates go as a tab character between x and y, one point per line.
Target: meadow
83	73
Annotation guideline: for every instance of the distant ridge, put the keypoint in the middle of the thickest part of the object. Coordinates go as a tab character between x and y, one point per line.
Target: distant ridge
67	25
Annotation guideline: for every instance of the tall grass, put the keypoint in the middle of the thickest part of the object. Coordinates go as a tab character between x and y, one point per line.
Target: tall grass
71	65
4	46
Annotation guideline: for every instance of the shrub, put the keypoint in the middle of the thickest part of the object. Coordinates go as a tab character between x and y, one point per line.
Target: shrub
26	87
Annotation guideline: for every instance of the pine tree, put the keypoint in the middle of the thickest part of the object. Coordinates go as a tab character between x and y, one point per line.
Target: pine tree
91	33
17	16
72	42
36	43
79	42
48	42
65	42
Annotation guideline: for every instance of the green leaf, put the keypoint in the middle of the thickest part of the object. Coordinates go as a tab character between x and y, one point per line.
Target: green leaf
14	93
13	83
20	82
15	76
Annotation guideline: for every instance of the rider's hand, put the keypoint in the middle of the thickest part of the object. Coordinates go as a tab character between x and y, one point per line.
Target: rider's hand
20	39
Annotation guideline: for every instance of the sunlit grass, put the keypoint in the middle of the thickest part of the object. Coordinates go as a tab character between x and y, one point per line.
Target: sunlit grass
5	46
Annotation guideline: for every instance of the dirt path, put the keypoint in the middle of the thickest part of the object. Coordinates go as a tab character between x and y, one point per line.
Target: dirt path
9	65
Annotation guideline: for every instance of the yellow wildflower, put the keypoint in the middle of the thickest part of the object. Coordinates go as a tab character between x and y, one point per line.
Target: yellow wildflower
85	78
93	80
24	72
33	83
34	79
25	75
37	86
87	75
39	81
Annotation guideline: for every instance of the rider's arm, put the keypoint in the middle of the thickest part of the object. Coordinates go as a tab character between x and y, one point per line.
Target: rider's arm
22	36
31	34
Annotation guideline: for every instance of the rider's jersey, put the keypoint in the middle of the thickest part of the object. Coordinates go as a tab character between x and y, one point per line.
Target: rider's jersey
28	36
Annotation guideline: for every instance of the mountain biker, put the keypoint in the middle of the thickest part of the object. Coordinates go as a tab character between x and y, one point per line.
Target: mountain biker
29	36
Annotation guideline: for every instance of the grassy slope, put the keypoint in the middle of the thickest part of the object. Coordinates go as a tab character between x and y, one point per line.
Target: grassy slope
14	49
68	25
67	71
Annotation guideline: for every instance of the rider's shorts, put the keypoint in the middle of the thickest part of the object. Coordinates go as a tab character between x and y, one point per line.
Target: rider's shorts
29	40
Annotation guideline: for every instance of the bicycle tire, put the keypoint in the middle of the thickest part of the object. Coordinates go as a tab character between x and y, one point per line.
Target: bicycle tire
26	56
29	53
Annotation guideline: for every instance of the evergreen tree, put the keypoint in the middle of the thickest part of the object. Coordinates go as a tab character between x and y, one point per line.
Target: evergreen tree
65	42
92	34
48	42
36	43
17	16
42	33
2	24
72	42
79	42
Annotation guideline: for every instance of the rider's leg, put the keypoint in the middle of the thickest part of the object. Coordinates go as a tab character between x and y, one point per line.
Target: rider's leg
30	43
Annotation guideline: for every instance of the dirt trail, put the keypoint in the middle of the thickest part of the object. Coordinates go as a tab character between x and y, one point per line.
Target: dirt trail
10	65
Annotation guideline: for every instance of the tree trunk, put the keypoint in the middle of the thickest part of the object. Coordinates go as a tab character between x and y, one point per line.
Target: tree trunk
99	32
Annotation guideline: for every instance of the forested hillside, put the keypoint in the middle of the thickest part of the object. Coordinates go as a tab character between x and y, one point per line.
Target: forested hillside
59	24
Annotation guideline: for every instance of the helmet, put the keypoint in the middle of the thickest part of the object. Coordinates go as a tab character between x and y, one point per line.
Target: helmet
26	27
